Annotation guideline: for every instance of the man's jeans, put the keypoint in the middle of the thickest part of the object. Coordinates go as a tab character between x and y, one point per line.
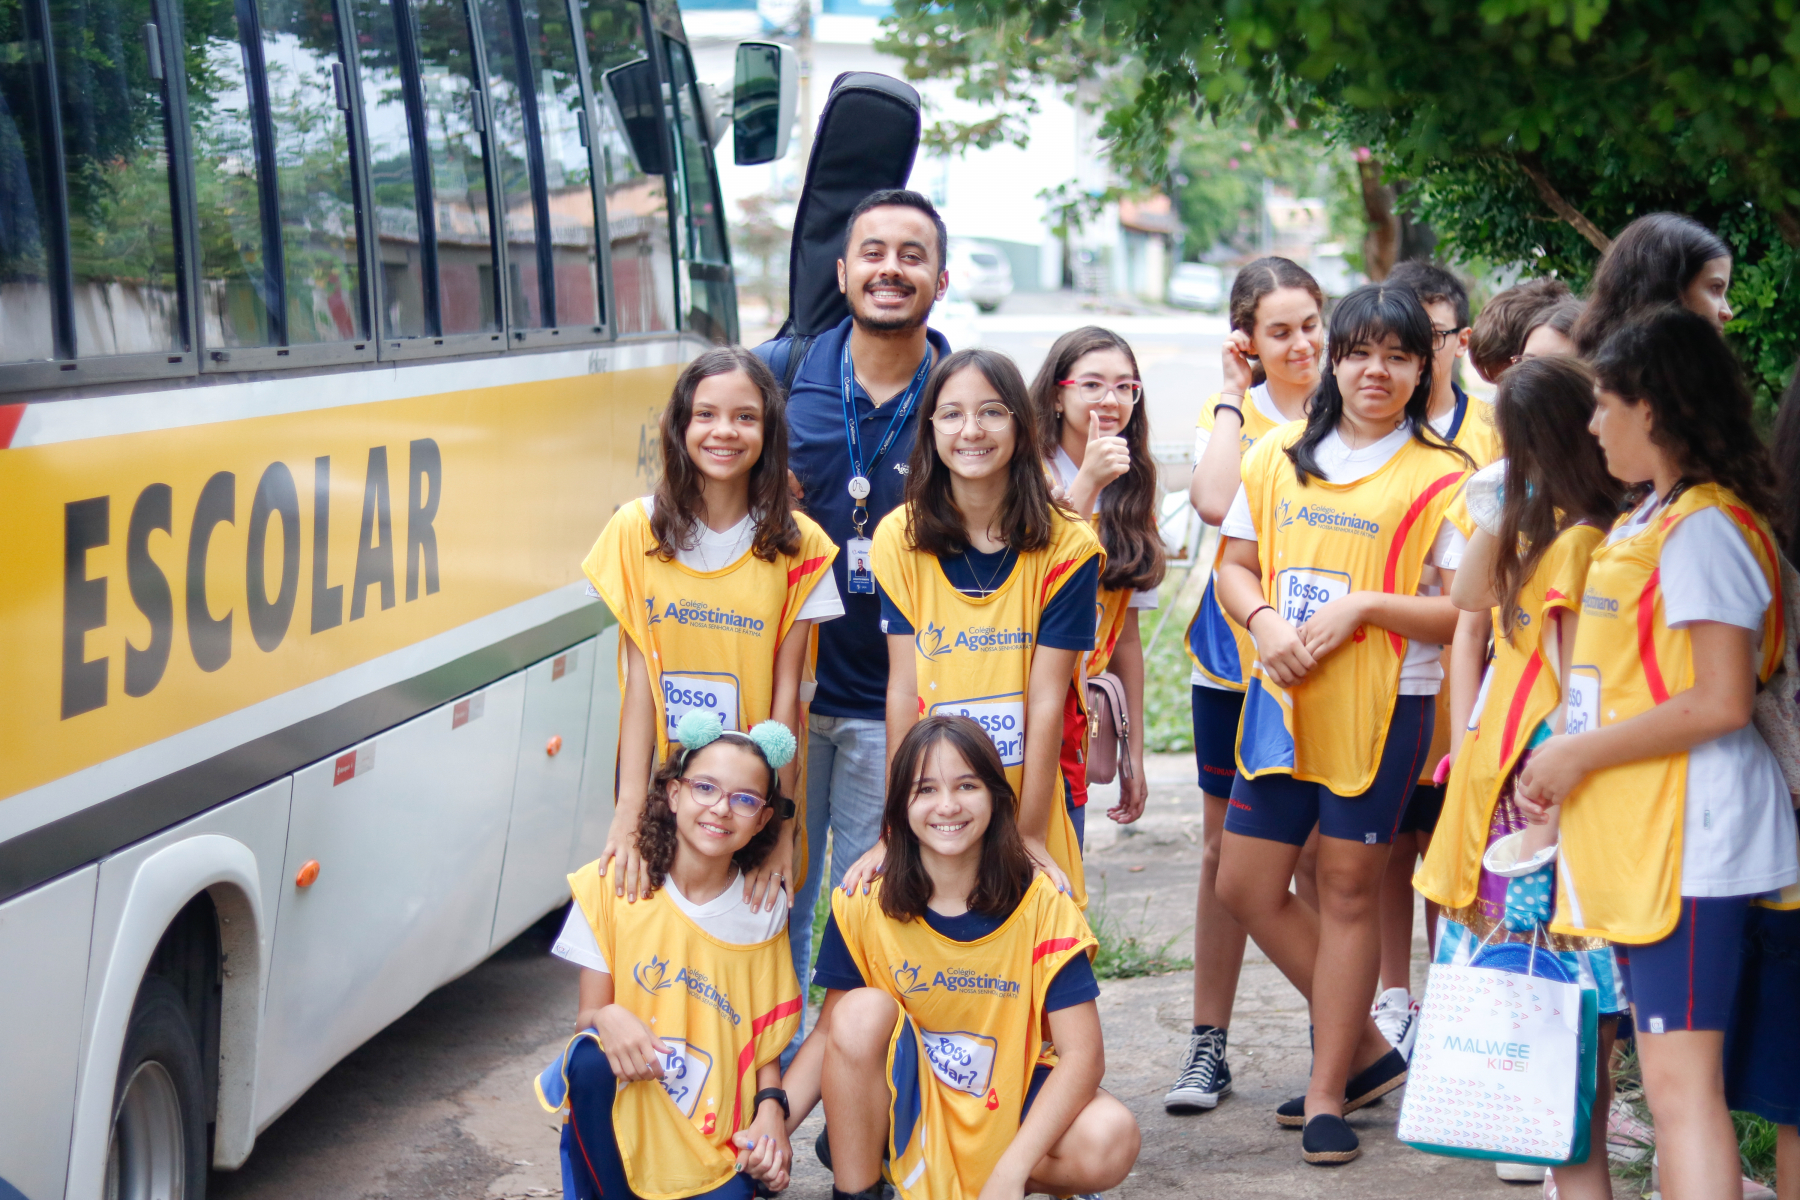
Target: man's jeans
846	776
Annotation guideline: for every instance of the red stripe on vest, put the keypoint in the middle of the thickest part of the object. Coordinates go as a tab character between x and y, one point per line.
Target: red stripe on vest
1056	572
1659	691
10	415
796	574
1053	946
1392	567
1780	605
1514	711
746	1056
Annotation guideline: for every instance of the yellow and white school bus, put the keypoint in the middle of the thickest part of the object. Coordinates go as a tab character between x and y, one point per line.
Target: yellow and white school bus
331	333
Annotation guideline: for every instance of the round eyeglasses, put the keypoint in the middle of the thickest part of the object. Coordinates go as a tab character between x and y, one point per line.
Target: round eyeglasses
952	421
1129	391
707	794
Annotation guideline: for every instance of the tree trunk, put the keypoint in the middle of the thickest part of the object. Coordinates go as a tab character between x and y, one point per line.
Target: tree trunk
1560	206
1381	244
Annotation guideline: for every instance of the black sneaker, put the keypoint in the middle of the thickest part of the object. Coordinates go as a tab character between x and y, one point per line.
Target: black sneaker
822	1148
1328	1141
1365	1088
1205	1076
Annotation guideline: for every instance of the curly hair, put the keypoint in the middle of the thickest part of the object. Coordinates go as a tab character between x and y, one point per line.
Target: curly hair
657	837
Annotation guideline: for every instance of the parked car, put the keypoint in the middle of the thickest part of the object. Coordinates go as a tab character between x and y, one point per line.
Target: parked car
979	273
1197	285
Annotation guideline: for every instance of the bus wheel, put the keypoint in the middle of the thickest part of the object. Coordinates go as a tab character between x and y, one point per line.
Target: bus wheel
158	1148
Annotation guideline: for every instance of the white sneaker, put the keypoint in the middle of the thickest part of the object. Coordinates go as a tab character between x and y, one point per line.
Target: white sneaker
1396	1014
1514	1172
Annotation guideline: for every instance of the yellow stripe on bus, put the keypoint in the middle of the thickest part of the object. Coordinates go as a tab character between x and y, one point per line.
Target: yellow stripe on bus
126	593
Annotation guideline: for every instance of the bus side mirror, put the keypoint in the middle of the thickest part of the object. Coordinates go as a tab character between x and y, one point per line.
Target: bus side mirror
765	95
634	95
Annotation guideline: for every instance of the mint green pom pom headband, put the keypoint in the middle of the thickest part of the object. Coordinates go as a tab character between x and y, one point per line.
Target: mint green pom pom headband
775	740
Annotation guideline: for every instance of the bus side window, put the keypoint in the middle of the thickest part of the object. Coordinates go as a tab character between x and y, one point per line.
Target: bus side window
279	259
711	294
88	262
546	185
637	193
427	168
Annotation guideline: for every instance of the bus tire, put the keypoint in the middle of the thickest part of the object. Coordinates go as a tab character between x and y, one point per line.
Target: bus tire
158	1142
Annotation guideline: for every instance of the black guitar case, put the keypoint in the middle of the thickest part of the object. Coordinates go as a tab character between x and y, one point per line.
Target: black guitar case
867	138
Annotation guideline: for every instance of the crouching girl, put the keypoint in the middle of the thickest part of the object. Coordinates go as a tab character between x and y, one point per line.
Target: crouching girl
943	982
672	1087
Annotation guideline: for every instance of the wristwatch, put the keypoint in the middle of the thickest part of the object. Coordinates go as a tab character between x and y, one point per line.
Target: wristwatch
775	1094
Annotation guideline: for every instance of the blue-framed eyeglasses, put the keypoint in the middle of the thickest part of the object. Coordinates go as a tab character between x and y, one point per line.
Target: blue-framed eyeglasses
707	793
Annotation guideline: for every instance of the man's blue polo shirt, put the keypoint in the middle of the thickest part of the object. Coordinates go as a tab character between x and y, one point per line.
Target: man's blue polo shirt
853	660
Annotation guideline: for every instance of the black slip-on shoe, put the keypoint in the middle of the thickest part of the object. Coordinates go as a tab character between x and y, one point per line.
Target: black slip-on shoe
1375	1081
1328	1141
1366	1087
822	1148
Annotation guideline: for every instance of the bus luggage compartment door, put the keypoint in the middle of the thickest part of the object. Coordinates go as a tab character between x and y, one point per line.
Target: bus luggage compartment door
552	744
408	831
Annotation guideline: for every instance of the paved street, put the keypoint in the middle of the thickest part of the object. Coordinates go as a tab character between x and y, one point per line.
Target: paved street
439	1106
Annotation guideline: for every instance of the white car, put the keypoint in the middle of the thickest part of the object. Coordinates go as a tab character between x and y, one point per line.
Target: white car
979	273
1197	285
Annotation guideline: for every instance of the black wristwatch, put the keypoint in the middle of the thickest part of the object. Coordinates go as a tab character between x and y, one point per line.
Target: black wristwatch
775	1094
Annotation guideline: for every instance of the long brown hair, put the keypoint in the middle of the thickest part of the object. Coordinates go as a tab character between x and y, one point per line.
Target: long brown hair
1135	556
1257	279
1677	363
933	523
656	832
1556	475
675	516
1006	869
1649	265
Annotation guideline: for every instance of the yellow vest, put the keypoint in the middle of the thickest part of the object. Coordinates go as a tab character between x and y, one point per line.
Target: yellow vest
1522	691
959	1066
1316	542
973	654
1620	861
723	1010
1218	645
1479	438
709	638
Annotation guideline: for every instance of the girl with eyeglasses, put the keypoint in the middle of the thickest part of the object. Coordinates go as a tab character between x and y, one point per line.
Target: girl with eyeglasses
716	583
1095	434
988	590
959	1038
1327	546
672	1085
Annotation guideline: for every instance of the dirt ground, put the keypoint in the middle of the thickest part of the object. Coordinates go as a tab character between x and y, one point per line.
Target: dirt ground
440	1105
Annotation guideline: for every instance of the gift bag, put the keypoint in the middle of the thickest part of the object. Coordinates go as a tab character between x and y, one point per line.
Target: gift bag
1504	1067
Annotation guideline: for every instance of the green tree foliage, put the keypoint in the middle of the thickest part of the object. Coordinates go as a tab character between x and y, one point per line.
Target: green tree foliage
1529	130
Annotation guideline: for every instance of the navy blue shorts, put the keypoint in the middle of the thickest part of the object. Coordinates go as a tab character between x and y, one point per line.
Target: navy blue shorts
1216	712
1762	1046
1423	810
1280	808
1689	980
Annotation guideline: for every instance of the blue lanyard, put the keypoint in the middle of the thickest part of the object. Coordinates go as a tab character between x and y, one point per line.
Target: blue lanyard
909	398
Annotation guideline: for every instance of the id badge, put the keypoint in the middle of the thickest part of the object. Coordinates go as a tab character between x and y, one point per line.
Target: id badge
860	570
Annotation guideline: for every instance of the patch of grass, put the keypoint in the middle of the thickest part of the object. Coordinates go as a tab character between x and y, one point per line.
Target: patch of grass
1128	952
1756	1146
1756	1137
1168	702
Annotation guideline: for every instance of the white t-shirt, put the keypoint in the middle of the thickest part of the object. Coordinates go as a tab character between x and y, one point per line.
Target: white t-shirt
726	917
1066	470
715	551
1259	396
1738	835
1422	671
